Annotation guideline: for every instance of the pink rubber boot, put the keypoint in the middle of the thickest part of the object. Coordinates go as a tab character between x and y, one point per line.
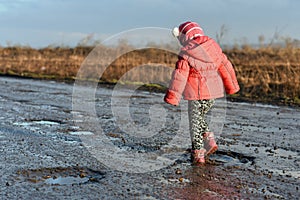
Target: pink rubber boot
199	156
209	143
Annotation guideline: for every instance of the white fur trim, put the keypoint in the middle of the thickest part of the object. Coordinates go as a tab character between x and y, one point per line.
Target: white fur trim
175	32
193	29
196	35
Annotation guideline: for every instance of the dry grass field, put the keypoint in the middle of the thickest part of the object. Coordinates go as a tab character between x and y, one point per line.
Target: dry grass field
268	74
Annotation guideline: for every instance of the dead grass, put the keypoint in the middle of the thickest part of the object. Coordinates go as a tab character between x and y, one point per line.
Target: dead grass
270	74
265	74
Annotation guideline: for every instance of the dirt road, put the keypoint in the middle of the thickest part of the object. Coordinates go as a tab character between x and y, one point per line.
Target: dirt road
43	155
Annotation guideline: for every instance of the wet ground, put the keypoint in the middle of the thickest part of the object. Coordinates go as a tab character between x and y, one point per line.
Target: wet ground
43	155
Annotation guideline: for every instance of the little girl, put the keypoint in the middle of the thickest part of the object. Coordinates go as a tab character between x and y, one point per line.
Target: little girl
202	71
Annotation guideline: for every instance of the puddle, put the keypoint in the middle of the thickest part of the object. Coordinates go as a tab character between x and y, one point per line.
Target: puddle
59	176
229	158
67	180
224	159
221	157
81	133
46	122
36	125
42	122
22	123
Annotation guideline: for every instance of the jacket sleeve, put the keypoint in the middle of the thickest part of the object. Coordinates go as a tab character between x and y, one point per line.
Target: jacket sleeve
228	76
178	82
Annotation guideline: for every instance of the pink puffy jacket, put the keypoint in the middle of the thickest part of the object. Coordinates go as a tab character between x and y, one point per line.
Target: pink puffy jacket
202	71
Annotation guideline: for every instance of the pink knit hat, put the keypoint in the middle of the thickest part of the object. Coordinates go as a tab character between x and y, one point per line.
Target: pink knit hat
188	31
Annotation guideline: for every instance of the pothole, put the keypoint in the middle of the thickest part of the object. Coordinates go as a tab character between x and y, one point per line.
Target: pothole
81	133
221	157
38	122
67	180
59	176
230	158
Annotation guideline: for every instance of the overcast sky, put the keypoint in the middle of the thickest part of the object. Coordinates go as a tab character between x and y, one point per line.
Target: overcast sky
40	23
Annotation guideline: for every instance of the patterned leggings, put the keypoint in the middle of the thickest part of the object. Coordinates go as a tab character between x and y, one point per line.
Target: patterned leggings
198	125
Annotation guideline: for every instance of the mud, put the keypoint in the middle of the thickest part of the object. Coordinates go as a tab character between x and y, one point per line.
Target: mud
43	157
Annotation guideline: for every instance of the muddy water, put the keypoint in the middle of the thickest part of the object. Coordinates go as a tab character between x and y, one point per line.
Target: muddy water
43	155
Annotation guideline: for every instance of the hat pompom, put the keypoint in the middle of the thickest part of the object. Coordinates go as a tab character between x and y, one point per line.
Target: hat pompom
175	32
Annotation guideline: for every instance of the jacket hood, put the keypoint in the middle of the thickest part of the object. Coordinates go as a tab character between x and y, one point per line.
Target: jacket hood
195	49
